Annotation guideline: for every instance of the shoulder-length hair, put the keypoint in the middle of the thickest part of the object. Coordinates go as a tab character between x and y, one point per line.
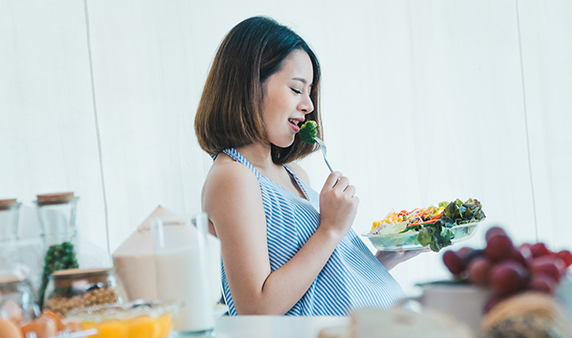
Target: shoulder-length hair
229	113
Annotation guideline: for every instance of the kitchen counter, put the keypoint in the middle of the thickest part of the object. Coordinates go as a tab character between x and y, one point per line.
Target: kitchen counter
275	326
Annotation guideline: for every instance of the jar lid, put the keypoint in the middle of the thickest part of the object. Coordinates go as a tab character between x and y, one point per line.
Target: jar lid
75	273
8	204
8	279
68	277
55	198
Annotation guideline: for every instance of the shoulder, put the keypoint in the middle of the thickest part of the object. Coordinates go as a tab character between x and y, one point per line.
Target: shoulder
231	192
228	176
232	198
301	173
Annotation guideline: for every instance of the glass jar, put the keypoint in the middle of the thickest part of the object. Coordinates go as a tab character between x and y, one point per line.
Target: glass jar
17	299
57	213
135	319
9	260
76	288
9	213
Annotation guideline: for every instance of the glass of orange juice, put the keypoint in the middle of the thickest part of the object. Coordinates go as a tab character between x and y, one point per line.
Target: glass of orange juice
138	319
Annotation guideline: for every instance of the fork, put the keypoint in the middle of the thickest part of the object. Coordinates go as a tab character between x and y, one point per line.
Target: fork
324	151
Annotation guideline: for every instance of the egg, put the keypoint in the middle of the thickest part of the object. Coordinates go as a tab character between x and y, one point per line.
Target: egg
57	320
43	326
12	311
9	330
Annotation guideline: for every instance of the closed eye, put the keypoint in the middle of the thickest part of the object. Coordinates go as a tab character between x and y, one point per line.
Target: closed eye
296	91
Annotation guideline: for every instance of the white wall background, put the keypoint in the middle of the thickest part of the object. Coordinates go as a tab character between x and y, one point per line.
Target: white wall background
423	101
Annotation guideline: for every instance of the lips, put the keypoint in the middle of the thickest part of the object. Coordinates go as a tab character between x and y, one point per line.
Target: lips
294	125
295	122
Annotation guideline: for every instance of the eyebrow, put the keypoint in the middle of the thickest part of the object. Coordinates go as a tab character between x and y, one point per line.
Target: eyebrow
301	80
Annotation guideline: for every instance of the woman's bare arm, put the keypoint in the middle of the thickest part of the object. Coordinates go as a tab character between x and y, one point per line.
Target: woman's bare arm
233	200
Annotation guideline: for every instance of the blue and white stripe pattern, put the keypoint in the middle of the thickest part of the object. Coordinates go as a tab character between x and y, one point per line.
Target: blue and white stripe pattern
352	278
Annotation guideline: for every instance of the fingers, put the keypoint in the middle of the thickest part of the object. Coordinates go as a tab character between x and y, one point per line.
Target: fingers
338	204
342	184
333	179
338	182
413	253
350	190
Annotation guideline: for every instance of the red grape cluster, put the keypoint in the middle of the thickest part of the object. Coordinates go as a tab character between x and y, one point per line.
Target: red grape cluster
507	270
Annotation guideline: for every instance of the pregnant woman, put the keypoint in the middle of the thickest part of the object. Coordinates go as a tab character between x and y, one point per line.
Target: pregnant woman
286	249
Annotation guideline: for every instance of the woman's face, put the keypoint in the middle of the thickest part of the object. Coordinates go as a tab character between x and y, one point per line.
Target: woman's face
287	98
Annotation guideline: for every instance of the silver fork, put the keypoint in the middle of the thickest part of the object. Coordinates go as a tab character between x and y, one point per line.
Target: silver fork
324	151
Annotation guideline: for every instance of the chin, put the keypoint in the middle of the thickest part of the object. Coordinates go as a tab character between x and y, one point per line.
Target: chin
283	146
283	143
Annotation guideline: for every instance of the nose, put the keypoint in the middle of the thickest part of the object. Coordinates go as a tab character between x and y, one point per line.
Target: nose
306	105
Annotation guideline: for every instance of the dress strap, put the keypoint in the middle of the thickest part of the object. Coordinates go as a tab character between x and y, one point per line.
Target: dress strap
298	181
235	155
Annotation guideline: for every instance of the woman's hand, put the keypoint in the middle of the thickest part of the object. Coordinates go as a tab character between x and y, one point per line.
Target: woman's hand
233	200
390	259
338	204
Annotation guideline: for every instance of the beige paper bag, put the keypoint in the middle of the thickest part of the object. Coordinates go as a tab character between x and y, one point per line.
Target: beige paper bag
135	262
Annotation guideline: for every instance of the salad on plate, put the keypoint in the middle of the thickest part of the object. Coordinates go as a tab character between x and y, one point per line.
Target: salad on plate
435	226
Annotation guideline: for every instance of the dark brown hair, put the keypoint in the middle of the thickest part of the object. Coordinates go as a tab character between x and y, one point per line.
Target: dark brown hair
229	113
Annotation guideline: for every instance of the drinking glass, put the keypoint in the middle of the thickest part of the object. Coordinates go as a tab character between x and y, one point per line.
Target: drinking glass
9	260
182	271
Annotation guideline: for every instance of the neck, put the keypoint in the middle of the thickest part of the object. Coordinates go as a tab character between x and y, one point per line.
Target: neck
258	155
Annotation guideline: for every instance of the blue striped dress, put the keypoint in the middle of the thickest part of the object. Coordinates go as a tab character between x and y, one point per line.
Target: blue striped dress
352	277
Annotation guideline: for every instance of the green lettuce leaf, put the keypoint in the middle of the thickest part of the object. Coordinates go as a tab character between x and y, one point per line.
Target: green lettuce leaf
425	234
462	213
439	234
436	236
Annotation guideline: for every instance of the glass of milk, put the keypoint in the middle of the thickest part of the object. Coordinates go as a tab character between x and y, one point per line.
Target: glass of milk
182	272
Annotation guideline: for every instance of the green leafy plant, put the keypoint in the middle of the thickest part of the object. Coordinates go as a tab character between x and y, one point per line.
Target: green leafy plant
58	257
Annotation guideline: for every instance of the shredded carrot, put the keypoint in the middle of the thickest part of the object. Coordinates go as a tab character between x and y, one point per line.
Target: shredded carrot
417	216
